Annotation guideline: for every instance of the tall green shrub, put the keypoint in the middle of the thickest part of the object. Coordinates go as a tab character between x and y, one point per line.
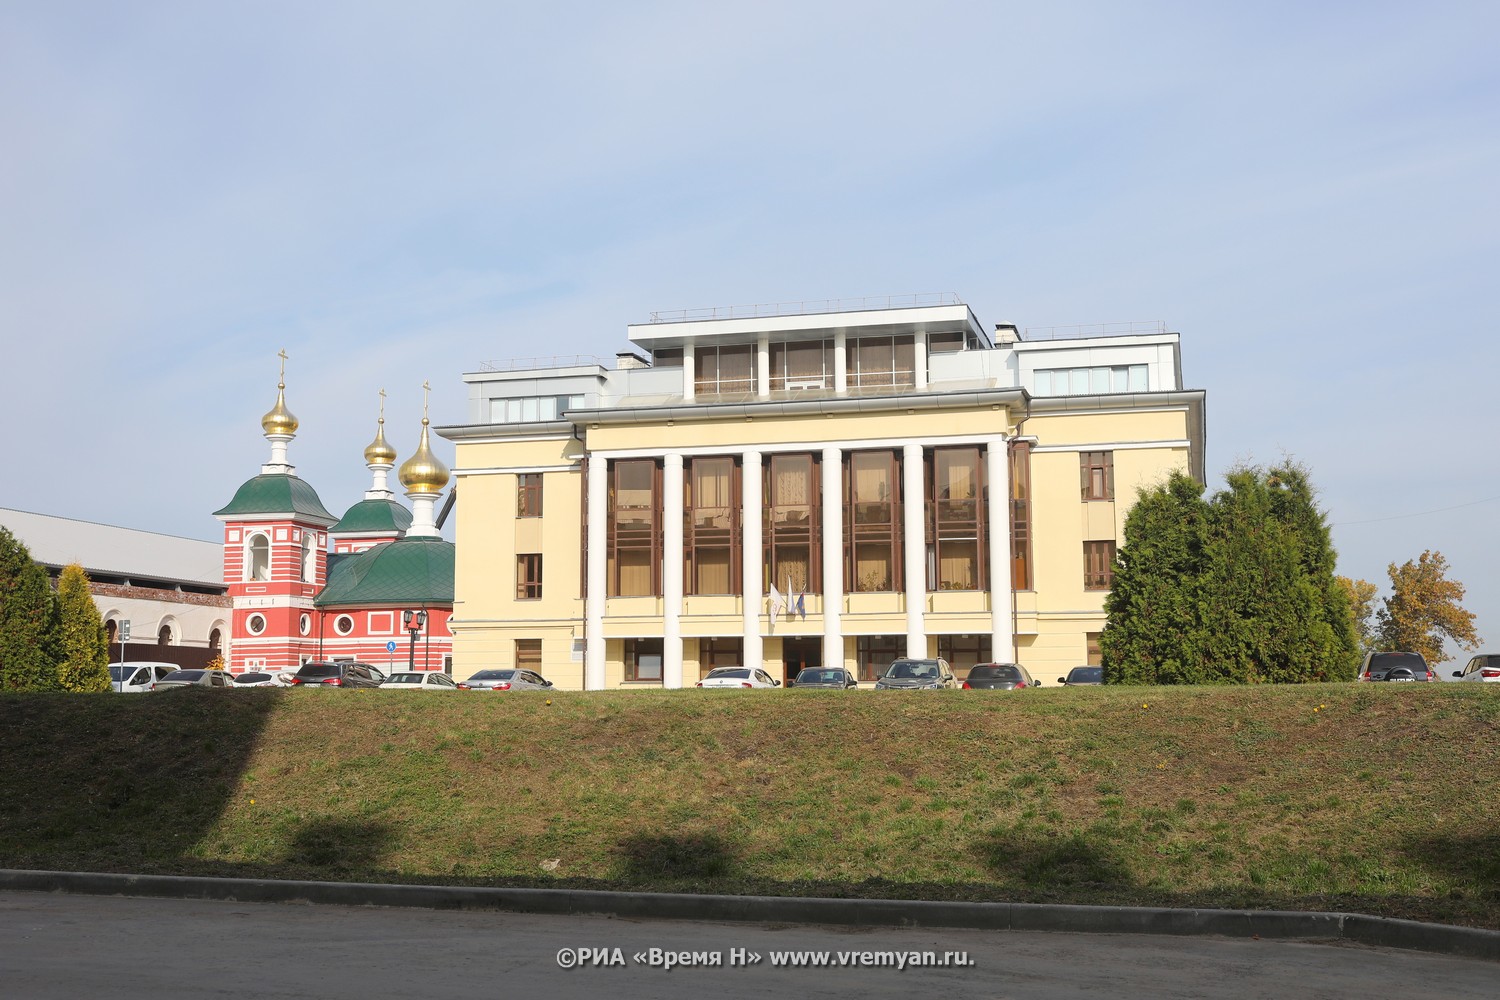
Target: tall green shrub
82	643
28	620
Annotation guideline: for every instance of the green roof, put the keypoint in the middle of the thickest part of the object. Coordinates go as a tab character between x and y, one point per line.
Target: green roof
277	494
416	571
373	515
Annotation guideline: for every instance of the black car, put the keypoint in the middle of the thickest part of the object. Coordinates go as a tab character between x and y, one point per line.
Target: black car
342	674
999	677
916	675
1083	675
824	677
1395	667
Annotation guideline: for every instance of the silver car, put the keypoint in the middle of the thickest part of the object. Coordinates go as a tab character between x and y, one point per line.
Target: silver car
507	679
917	675
196	678
419	680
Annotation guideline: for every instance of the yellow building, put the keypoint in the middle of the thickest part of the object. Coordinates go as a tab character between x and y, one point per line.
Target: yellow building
889	477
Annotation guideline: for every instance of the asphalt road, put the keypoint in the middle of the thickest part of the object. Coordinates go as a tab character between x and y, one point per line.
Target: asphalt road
64	946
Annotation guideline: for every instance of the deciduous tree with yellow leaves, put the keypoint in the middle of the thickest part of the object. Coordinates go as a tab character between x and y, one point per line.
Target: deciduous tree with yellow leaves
1424	609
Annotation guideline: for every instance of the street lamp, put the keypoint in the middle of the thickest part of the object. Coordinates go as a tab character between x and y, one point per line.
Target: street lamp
413	622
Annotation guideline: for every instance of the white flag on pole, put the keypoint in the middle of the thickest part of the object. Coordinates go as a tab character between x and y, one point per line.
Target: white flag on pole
776	606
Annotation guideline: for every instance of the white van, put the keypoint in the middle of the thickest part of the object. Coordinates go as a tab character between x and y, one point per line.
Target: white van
138	676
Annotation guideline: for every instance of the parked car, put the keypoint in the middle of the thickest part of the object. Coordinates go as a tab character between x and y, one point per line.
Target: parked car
218	679
1485	668
738	677
509	679
908	675
999	677
1083	675
256	679
421	680
339	674
824	677
1395	667
138	676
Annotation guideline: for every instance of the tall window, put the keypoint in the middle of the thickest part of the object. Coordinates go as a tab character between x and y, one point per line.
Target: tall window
963	651
711	527
875	653
721	370
529	576
806	364
1096	470
260	558
719	651
955	520
792	532
877	361
643	660
1020	515
1098	558
529	494
309	558
635	528
872	521
529	654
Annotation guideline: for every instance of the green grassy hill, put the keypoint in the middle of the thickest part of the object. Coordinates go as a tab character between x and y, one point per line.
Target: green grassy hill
1377	799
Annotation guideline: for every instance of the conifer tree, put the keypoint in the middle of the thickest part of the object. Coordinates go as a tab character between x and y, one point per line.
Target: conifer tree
1238	589
1153	634
28	620
82	643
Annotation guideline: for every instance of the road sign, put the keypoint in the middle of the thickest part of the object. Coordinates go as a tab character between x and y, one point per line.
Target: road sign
390	647
125	630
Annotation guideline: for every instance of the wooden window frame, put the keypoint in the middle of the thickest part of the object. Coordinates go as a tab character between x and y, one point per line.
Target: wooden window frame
781	350
863	527
697	536
529	494
953	522
712	648
525	648
898	374
874	653
633	537
634	648
1098	564
529	576
1096	473
708	377
1021	576
783	527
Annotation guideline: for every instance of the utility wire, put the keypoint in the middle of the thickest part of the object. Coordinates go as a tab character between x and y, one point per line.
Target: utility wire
1420	513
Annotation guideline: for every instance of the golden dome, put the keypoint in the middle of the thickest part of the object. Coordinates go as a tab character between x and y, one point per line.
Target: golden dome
280	419
423	473
379	451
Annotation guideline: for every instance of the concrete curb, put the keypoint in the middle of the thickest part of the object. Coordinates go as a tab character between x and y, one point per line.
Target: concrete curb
1382	932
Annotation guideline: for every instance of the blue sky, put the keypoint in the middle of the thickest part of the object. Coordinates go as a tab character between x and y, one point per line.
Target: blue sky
393	192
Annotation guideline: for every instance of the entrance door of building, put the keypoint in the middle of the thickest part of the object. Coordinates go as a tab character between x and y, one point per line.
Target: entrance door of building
798	654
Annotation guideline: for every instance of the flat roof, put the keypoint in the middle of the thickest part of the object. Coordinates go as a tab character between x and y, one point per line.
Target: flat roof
942	318
115	551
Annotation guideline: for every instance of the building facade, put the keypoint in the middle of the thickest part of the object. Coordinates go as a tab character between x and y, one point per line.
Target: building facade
837	486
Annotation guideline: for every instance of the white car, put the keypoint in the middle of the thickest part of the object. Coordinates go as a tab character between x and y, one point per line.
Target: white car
138	676
255	679
420	680
1484	668
738	677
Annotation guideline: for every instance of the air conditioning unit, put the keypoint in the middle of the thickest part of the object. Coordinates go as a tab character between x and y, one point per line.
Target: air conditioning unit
806	383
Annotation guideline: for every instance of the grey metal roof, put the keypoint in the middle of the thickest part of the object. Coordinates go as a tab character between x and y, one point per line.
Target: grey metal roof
107	548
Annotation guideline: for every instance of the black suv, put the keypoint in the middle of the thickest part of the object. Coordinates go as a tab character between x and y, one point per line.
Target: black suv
1395	667
345	673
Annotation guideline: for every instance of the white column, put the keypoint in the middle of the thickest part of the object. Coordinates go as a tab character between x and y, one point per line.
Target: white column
915	546
671	573
593	635
833	558
840	368
763	366
754	599
689	372
1002	642
919	360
